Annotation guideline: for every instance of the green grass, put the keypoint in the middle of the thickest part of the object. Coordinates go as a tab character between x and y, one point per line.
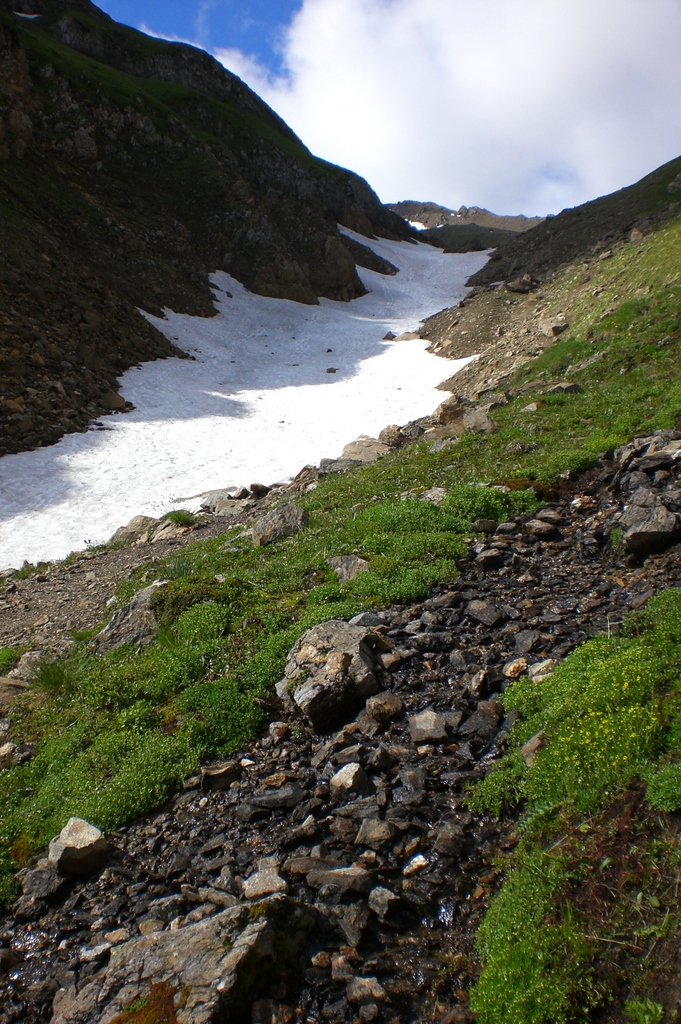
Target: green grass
611	717
115	733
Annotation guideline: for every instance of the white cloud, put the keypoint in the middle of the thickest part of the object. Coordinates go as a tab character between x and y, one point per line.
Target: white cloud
517	105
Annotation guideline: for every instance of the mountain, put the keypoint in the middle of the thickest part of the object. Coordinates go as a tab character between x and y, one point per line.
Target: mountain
468	229
131	168
586	230
431	215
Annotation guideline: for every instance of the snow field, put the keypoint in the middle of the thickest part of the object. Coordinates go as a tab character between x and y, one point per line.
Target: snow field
255	404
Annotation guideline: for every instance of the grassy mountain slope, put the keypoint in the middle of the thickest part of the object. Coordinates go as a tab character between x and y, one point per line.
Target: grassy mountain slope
592	227
130	168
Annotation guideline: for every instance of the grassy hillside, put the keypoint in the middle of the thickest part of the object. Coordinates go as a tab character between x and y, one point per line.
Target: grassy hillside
115	733
466	237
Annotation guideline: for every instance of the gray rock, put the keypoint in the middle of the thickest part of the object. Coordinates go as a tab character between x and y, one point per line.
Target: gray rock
365	990
79	849
551	327
346	567
131	533
450	840
381	900
27	667
327	466
375	833
435	495
134	623
266	881
485	612
427	727
476	421
212	962
350	879
284	521
365	449
647	526
278	799
337	662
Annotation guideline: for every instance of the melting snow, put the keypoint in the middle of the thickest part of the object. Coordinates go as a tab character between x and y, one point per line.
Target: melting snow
255	404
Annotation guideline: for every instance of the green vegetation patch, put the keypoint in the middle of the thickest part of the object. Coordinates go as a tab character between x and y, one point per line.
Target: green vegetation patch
610	718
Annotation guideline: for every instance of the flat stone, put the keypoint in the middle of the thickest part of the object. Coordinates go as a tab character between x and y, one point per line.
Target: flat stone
79	849
365	449
266	881
485	612
349	879
516	668
279	799
427	727
375	833
381	900
284	521
384	707
346	567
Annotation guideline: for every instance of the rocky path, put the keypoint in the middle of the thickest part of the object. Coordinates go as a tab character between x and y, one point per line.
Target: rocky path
333	873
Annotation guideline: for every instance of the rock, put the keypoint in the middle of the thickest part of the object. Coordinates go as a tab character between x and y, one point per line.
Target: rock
551	327
435	495
476	421
389	336
365	449
338	660
485	612
647	526
134	530
565	388
489	558
392	436
79	849
530	750
352	921
9	691
485	525
260	490
415	865
350	781
532	407
427	727
516	668
364	990
284	521
266	881
481	724
220	776
43	882
113	401
523	284
451	411
375	833
540	529
7	752
408	336
350	879
525	640
450	840
384	707
381	900
541	670
27	667
149	925
169	530
212	963
134	623
346	567
337	465
278	799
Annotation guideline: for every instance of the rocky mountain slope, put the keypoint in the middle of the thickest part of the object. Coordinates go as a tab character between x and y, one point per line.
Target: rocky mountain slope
130	168
587	230
468	229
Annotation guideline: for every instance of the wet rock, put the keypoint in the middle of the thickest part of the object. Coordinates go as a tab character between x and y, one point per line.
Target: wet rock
385	707
450	840
427	727
485	612
79	849
346	567
134	623
365	990
350	781
266	881
349	879
284	521
381	900
647	526
278	799
375	833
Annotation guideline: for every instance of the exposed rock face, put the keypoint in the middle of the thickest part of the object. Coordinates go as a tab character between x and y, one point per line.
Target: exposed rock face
135	623
211	967
125	229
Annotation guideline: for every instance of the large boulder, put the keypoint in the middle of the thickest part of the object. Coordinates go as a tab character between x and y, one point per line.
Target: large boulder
134	623
284	521
134	530
79	849
208	971
646	524
365	449
331	671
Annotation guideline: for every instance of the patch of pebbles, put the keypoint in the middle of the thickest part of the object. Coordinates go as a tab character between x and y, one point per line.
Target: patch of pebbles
366	825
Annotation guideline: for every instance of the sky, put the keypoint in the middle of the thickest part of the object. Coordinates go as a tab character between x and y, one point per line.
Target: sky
520	106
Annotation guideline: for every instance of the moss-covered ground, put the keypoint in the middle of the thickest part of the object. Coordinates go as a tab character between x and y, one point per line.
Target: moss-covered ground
115	733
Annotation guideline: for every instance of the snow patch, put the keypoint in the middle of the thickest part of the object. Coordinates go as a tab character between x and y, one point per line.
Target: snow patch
254	405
